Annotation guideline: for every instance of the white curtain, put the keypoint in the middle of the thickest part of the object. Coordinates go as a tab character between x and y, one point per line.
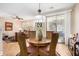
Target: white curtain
67	26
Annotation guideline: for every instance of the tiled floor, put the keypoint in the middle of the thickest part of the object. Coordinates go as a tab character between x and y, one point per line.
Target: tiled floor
63	50
12	48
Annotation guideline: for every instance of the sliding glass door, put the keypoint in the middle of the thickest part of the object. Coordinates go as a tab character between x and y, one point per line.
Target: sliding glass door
61	27
56	23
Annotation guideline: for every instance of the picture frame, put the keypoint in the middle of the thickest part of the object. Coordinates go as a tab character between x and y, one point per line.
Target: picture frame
8	26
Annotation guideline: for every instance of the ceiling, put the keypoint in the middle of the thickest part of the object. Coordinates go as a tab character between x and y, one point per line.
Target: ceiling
29	10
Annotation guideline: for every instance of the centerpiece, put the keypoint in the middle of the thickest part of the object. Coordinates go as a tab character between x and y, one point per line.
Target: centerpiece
40	36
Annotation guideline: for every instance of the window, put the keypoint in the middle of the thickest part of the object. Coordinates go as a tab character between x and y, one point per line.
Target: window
51	23
56	23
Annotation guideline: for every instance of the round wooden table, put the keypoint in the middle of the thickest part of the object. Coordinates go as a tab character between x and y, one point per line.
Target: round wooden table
38	44
42	43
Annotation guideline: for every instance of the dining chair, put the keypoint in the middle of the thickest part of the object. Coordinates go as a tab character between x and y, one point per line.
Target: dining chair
24	50
52	47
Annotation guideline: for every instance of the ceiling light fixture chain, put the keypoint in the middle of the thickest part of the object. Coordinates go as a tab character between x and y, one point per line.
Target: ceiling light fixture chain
40	17
39	10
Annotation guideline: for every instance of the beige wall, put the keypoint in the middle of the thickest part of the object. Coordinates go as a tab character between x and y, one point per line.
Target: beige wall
75	19
28	25
1	38
16	26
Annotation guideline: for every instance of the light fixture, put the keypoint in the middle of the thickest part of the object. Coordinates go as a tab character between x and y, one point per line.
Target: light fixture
40	17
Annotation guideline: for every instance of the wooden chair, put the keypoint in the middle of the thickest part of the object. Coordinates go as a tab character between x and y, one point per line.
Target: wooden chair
52	48
24	51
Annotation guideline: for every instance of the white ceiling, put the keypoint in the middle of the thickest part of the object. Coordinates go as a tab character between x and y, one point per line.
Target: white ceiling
30	9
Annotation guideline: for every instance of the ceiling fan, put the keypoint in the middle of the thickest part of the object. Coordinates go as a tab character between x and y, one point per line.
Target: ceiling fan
17	17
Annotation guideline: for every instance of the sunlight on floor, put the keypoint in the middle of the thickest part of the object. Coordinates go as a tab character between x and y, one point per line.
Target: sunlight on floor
12	48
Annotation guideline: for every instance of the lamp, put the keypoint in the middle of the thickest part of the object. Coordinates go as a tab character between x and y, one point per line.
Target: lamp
40	17
40	20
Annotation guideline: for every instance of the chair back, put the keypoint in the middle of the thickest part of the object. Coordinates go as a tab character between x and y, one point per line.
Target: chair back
22	44
54	40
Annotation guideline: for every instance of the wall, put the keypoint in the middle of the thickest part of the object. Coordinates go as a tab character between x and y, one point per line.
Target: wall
28	25
1	49
16	26
75	19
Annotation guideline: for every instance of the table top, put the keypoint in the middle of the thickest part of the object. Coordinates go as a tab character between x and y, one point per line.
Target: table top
35	42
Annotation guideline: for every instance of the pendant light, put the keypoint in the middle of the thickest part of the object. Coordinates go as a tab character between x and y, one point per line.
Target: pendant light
40	17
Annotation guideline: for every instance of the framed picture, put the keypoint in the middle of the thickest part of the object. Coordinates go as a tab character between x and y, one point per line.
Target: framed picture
8	26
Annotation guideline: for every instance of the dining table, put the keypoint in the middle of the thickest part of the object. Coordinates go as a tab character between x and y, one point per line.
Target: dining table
36	44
